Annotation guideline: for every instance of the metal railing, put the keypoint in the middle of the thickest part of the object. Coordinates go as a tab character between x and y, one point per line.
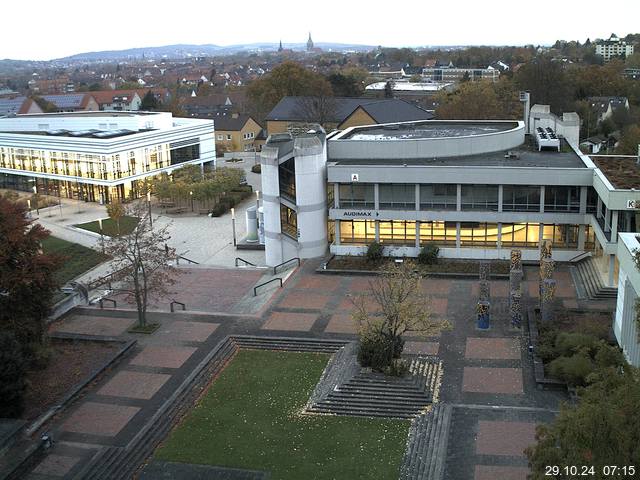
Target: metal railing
255	289
105	299
583	254
285	262
246	262
175	302
188	260
105	280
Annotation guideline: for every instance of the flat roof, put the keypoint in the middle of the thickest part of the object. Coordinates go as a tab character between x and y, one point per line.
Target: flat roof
92	133
526	155
429	129
100	113
622	171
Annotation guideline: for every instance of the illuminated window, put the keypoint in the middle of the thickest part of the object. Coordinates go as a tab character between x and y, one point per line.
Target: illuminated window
563	236
398	233
479	234
357	231
441	233
520	235
288	221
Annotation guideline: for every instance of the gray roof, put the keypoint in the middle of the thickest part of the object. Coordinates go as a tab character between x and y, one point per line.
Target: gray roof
229	123
10	106
72	100
384	110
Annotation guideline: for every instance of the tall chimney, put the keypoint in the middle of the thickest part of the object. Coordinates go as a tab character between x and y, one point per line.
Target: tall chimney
525	99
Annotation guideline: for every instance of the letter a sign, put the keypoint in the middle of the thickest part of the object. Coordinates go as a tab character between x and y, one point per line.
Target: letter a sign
355	177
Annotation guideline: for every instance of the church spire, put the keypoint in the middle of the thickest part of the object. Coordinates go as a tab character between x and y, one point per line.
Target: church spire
280	47
309	43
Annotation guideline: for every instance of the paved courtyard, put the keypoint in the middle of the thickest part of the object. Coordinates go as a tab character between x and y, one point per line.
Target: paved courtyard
487	378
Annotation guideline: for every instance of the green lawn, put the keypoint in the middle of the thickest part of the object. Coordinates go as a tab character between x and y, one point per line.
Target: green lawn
109	227
77	259
250	418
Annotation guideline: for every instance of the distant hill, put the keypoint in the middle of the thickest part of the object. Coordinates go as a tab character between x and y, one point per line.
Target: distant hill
186	50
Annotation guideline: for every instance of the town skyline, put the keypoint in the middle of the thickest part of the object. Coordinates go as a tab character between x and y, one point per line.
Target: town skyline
334	23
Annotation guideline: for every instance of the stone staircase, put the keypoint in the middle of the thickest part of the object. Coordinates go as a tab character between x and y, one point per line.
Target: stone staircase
372	394
426	451
591	279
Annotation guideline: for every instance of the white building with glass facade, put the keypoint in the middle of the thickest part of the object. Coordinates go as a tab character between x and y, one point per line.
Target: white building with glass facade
99	156
476	189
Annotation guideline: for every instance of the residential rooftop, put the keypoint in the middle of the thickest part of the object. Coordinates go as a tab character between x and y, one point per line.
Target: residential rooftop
623	172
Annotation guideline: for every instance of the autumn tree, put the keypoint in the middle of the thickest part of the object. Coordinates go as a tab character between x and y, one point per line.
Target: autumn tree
12	376
629	141
149	102
116	211
602	429
27	280
287	79
547	82
317	109
402	307
141	263
481	100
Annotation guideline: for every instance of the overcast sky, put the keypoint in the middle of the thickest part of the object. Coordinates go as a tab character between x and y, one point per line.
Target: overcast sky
46	29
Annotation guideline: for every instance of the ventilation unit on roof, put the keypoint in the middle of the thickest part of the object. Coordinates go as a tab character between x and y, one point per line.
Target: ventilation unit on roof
511	154
547	138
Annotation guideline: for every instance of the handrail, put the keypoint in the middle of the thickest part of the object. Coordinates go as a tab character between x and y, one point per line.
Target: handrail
285	262
108	278
255	289
105	299
178	257
246	262
578	256
175	302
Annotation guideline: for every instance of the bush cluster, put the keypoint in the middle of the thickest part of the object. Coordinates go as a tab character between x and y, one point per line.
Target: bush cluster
234	197
256	168
381	352
429	254
375	252
12	376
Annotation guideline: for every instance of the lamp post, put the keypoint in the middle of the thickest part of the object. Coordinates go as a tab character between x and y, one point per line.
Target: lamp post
191	196
149	205
35	192
233	225
101	234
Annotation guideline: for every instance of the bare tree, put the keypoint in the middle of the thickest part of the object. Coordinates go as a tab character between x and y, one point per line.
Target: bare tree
141	263
320	109
402	307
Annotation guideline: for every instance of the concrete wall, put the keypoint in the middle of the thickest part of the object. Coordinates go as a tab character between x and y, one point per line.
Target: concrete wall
273	241
345	148
625	326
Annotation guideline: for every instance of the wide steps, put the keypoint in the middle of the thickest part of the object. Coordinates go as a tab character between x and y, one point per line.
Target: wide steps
288	344
427	445
592	281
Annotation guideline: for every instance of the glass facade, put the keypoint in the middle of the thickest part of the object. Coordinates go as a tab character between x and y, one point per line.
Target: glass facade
438	196
441	233
356	195
288	221
561	199
287	179
480	197
562	236
479	235
398	233
357	231
520	198
400	196
525	235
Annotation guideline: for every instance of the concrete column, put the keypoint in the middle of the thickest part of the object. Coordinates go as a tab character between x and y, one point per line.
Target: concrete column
607	220
417	197
614	225
336	195
458	231
376	199
336	232
500	196
417	234
582	234
499	235
583	200
599	207
612	266
377	231
541	198
540	235
458	201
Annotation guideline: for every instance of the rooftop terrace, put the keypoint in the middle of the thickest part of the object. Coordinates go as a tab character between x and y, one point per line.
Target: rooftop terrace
431	129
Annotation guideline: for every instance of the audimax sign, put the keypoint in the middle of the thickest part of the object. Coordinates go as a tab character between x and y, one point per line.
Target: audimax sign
360	213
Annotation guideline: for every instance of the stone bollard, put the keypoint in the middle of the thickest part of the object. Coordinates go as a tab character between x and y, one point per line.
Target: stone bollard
485	270
546	300
547	267
515	308
483	314
485	291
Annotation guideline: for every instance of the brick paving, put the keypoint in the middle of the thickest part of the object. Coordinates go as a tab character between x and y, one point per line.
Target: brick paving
134	384
163	356
504	438
494	472
493	348
99	419
56	465
297	322
485	373
100	326
492	380
497	288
